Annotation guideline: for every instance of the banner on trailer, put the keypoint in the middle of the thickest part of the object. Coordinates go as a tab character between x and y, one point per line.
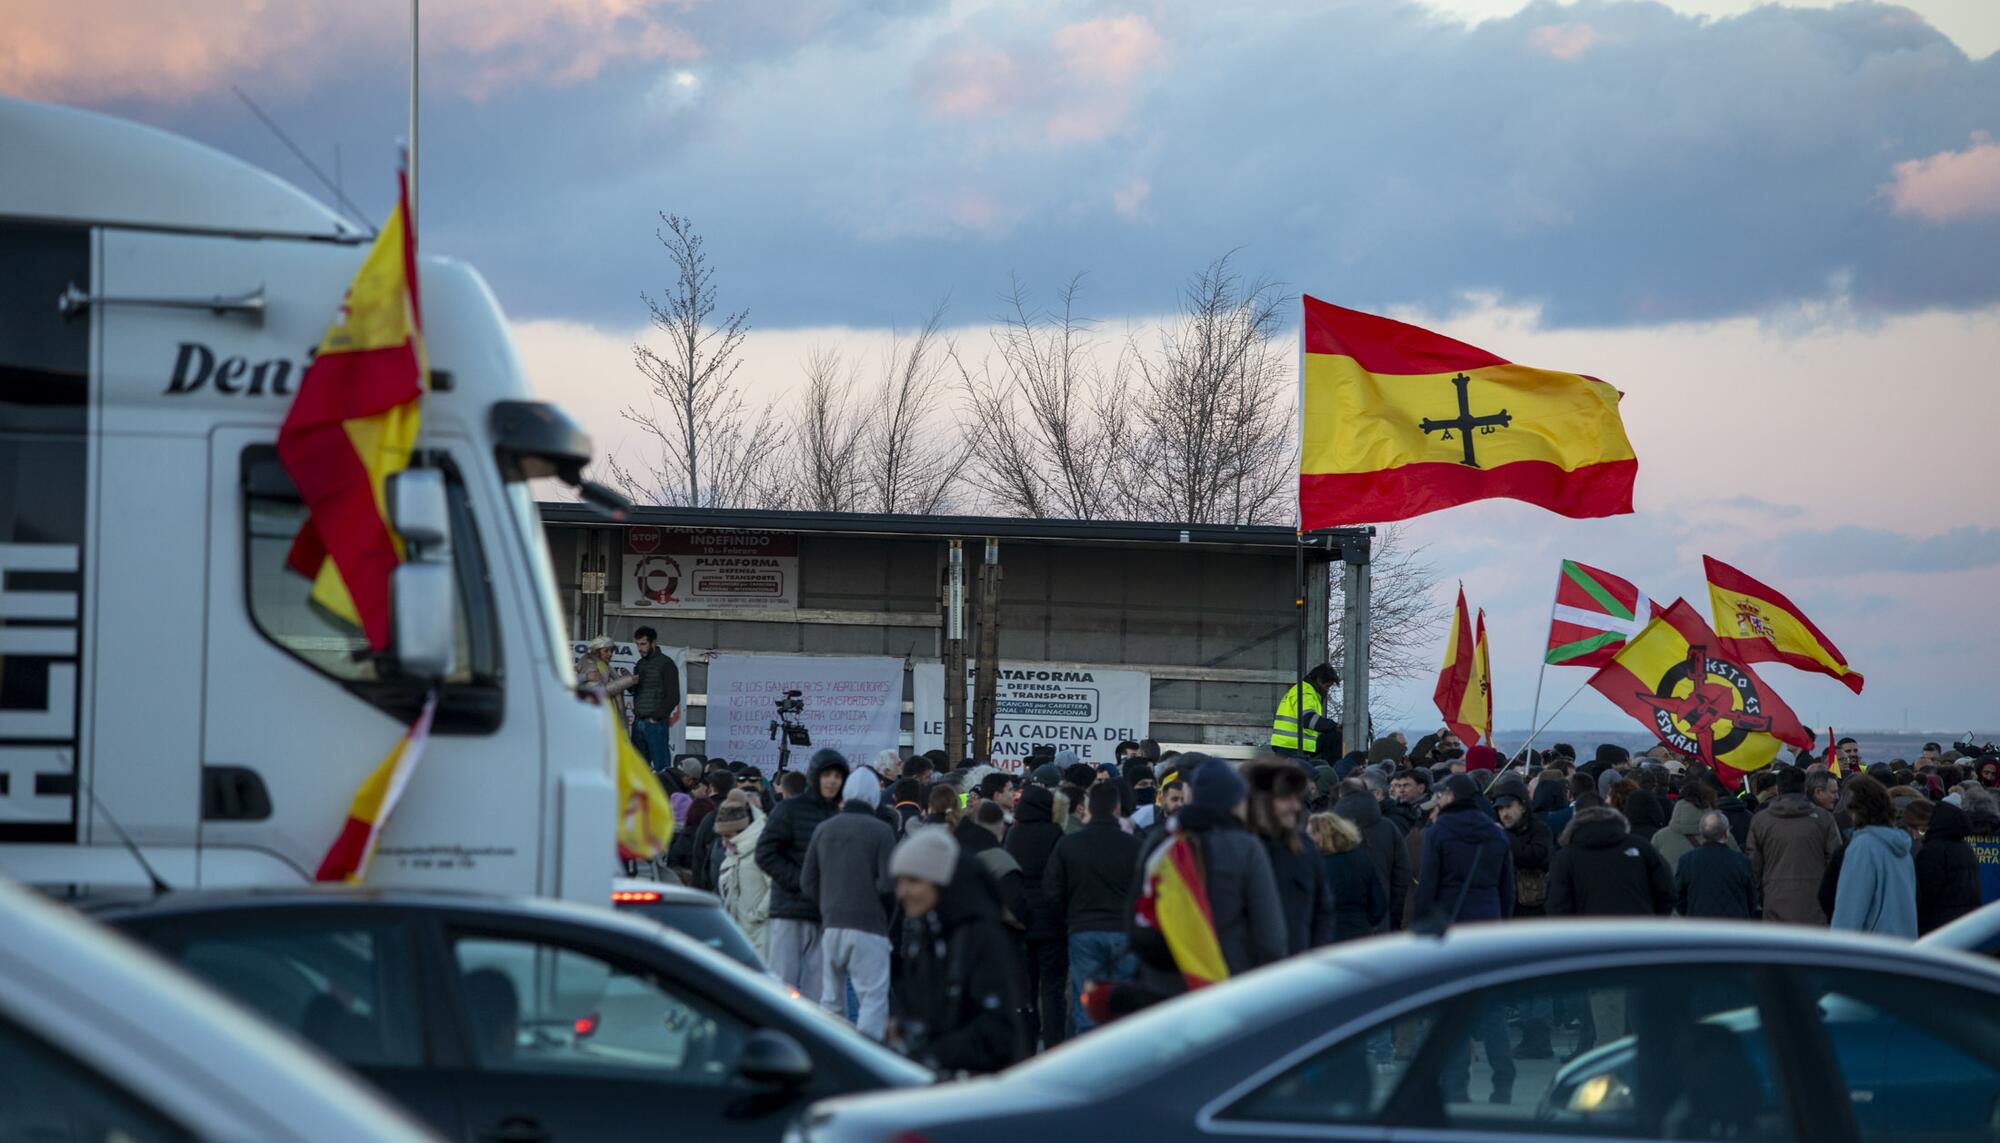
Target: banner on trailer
1086	709
665	571
853	705
624	656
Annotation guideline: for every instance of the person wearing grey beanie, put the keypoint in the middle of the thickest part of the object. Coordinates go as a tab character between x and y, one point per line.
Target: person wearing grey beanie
929	854
958	1002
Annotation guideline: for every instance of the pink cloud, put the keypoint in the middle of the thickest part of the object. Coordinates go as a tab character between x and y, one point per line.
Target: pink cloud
1949	185
1110	50
1563	41
1128	199
89	50
970	83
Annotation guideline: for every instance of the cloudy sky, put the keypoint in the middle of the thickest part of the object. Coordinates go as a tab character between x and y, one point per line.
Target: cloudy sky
1776	228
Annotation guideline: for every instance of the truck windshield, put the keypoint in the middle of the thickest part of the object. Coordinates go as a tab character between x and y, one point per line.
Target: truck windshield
528	522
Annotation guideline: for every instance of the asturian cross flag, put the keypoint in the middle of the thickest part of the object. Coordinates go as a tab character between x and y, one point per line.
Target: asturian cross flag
1400	421
1675	677
1759	625
352	426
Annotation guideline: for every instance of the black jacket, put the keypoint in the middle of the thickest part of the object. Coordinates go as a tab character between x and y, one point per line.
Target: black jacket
781	849
1031	841
1302	894
1466	872
1947	870
1647	812
958	1001
1405	817
1533	848
1089	876
1739	814
1716	881
703	858
975	839
659	689
1382	840
1604	870
1360	901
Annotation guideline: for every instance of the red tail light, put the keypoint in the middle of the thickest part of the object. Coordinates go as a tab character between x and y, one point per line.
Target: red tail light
585	1025
634	896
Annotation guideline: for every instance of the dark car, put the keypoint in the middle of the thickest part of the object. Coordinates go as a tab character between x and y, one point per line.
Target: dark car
690	911
520	1020
1515	1032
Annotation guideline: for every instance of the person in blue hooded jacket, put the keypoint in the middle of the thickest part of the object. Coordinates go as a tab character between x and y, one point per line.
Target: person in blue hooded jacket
1878	879
1467	869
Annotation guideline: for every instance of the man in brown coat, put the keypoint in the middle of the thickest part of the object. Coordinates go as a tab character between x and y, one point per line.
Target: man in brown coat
1791	841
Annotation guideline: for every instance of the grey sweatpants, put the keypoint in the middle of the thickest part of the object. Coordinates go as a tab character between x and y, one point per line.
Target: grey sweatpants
863	957
794	955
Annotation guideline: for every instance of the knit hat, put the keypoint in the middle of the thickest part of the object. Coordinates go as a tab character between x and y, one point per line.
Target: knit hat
732	818
862	787
930	854
1279	777
1212	783
1482	757
1461	788
1048	774
1065	758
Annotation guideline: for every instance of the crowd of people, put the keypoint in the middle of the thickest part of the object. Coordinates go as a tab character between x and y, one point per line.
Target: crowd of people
969	914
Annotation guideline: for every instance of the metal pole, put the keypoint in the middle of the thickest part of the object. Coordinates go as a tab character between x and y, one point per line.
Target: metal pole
954	655
1299	585
412	220
986	662
1355	634
1553	715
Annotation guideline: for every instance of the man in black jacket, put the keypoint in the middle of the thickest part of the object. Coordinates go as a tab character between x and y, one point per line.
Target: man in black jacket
1606	870
957	1004
1713	880
1032	840
1089	876
1277	798
781	853
656	700
1947	869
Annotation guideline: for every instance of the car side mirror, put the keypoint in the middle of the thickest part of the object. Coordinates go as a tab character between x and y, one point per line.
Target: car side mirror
774	1058
420	623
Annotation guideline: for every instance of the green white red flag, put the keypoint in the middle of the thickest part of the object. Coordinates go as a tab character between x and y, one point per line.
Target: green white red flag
1595	613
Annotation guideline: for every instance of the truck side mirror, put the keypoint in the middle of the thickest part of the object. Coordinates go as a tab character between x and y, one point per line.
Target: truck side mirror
421	587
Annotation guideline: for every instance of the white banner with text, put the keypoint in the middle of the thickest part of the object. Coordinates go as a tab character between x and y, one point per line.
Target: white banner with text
854	705
1086	709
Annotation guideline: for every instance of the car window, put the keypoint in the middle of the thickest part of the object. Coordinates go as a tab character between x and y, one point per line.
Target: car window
347	987
1920	1059
704	921
1628	1054
540	1007
48	1097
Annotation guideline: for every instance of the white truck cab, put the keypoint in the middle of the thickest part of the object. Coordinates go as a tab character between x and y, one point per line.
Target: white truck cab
159	666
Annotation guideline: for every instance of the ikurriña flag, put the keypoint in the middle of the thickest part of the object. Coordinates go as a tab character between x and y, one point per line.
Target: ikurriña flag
1595	612
1173	901
1699	700
1759	625
1400	421
352	426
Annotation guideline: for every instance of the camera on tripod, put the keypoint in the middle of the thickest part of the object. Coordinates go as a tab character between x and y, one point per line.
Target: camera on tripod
787	724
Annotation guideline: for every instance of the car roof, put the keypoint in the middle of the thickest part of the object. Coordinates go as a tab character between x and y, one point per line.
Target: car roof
1556	941
670	892
115	908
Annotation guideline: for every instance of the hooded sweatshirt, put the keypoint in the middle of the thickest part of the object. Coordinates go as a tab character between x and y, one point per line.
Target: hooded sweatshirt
1031	841
846	872
781	850
1947	870
1682	833
1878	884
1551	804
1603	870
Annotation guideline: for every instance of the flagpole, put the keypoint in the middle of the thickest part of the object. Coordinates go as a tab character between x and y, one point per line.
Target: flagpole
1536	713
412	220
1553	715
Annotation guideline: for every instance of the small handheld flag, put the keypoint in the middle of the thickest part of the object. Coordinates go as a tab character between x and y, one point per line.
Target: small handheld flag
1173	900
645	816
1759	625
1400	421
347	859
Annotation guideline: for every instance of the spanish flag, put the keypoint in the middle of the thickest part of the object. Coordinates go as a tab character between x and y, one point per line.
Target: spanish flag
1400	421
1759	625
352	850
1173	901
1464	691
352	426
645	816
1833	754
1675	677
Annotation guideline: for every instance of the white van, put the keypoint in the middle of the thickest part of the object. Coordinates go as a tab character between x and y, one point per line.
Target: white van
159	666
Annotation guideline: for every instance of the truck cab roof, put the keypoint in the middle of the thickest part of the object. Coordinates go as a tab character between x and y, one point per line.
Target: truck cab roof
99	170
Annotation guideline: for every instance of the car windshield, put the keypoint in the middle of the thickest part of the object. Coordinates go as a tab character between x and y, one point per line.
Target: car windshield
705	922
1139	1047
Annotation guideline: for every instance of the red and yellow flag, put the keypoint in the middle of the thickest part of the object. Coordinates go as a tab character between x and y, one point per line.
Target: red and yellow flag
1173	900
645	816
1833	754
1759	625
1675	677
352	426
354	847
1465	683
1400	421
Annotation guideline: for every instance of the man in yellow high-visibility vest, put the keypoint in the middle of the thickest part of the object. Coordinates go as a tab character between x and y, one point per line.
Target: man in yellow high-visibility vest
1301	716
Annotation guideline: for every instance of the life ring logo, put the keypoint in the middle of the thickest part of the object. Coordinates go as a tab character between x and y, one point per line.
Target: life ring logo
657	578
1696	694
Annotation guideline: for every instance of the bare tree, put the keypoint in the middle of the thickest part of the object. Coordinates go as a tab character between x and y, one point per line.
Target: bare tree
908	462
1213	434
1045	423
712	451
827	437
